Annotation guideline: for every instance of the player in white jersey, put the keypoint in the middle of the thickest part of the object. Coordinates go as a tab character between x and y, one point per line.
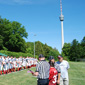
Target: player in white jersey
14	64
24	62
35	62
11	64
17	60
20	62
4	65
1	64
31	61
27	62
7	64
9	69
64	65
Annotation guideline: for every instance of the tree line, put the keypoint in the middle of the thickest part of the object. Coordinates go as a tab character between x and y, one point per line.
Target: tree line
74	50
12	34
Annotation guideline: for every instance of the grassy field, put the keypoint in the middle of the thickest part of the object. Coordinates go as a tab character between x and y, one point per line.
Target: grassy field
77	73
76	76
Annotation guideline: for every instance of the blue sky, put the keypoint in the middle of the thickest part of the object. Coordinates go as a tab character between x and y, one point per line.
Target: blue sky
41	17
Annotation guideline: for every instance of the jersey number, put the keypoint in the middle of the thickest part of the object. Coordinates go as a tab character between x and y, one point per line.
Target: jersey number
55	78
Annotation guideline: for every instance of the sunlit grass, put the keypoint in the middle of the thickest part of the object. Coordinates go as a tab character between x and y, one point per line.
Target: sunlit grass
76	76
77	73
18	78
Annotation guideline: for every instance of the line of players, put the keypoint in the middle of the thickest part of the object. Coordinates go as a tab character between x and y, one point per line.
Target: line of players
10	64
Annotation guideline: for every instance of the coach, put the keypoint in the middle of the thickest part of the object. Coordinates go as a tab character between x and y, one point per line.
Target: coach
42	71
64	65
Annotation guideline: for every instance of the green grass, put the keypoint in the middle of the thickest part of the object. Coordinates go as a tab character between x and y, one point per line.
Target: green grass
77	73
76	76
18	78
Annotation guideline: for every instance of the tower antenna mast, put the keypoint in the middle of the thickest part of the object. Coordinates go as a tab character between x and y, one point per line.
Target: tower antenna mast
61	6
61	19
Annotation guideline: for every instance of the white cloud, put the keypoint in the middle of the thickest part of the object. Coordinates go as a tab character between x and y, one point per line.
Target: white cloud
12	2
22	2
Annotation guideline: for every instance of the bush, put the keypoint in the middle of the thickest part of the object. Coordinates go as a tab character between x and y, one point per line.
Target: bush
17	54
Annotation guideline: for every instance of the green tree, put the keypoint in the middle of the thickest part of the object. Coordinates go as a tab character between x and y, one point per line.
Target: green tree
46	49
75	51
1	42
30	48
38	48
66	49
83	47
13	34
53	52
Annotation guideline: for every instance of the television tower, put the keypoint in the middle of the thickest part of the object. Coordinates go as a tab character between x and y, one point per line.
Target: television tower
61	19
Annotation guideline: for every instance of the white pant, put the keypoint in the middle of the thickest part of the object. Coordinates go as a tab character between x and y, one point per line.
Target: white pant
64	81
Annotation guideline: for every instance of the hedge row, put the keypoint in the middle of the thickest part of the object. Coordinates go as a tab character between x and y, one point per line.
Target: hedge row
17	54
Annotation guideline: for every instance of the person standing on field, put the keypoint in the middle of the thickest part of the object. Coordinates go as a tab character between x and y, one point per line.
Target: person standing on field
53	74
42	71
57	67
64	65
1	63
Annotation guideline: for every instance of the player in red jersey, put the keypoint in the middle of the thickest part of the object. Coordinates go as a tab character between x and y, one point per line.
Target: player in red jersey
52	74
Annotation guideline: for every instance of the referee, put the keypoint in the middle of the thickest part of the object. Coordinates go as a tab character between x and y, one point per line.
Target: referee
42	71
